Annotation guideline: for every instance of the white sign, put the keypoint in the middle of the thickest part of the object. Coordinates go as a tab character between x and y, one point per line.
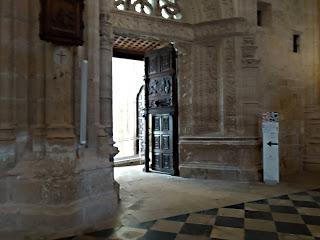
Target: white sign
270	132
84	104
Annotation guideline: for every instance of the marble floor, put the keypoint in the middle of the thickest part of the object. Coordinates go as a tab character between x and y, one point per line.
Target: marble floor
156	206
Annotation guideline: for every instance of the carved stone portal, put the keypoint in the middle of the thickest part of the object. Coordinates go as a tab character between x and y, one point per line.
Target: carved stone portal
61	21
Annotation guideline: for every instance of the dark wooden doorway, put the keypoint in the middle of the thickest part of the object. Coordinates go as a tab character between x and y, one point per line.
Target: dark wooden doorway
161	111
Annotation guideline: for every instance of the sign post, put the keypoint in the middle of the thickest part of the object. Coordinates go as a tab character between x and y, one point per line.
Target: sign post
270	133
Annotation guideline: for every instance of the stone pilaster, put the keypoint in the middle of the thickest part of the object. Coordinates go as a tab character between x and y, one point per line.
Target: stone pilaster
205	103
20	63
247	72
59	91
21	73
229	86
36	82
7	87
185	85
106	149
93	56
59	103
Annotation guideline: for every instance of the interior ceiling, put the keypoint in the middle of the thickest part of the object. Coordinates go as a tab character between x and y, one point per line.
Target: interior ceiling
133	46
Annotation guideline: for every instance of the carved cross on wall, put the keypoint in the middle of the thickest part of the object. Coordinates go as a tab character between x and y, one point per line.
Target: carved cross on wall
61	56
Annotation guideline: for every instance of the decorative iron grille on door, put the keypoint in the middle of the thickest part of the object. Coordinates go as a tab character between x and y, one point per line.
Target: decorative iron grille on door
141	122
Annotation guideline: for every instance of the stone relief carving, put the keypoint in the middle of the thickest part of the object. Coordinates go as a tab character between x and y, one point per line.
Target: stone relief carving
144	25
105	33
227	8
249	49
161	90
229	85
162	8
206	32
205	90
185	76
211	10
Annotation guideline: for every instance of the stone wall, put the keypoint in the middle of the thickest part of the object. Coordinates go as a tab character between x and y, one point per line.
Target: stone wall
49	185
312	112
257	72
288	80
220	138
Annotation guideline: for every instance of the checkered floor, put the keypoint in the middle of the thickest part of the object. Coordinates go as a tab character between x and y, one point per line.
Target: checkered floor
287	217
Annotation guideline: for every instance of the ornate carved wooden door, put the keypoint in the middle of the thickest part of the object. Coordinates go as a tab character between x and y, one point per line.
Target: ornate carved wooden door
162	116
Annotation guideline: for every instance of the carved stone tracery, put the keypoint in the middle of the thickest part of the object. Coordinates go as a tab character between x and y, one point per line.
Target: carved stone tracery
249	52
161	8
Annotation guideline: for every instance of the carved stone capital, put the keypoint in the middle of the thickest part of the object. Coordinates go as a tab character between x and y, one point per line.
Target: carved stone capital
106	35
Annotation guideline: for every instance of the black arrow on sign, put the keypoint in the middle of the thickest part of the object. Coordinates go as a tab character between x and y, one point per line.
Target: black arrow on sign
271	143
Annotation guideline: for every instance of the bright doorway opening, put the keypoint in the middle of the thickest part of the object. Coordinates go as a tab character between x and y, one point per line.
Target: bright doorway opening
128	82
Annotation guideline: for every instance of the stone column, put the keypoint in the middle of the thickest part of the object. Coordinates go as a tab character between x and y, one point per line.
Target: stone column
20	73
105	68
21	59
36	80
60	145
59	91
106	45
93	47
7	86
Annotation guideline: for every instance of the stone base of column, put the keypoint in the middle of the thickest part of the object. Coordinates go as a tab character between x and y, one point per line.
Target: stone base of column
7	148
312	136
7	155
57	195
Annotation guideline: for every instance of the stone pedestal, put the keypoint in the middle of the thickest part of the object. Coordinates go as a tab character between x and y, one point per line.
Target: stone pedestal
312	125
7	89
56	199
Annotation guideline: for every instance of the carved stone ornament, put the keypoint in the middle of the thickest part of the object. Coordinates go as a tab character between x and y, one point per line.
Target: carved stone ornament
169	9
61	21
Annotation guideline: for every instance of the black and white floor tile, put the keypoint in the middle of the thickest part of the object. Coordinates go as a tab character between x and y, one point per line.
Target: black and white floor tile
288	217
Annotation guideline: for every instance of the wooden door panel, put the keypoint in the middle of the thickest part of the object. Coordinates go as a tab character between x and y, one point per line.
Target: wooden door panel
166	142
165	62
157	141
163	148
153	64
